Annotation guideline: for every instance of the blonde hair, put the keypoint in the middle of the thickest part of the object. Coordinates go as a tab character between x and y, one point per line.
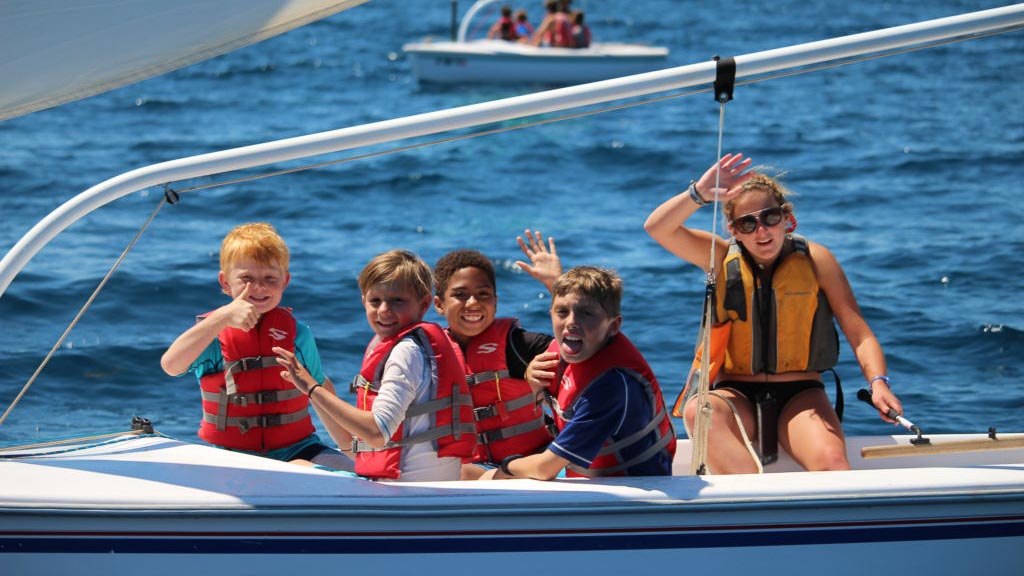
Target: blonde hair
601	284
400	266
256	241
764	184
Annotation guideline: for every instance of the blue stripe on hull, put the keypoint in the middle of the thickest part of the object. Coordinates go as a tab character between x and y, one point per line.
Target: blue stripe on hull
455	544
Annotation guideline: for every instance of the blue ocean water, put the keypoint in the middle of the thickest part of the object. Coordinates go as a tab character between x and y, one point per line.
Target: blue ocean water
909	168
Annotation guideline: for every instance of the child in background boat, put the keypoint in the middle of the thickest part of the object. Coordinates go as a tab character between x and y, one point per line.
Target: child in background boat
413	419
556	27
523	27
580	31
497	351
769	277
609	410
505	27
247	406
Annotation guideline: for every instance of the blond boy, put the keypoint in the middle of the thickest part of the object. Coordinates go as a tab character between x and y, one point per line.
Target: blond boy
247	405
413	416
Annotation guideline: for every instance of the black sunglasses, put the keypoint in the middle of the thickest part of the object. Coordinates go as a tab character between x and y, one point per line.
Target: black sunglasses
748	222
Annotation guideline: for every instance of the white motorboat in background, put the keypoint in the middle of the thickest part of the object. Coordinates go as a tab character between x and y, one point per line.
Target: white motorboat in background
497	61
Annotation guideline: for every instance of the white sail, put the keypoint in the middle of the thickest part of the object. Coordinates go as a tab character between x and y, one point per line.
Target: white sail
56	51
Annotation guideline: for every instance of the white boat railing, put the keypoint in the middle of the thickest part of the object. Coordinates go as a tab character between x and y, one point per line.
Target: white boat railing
470	14
747	66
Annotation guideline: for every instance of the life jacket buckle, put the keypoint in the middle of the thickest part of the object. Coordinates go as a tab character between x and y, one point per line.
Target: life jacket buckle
489	436
484	412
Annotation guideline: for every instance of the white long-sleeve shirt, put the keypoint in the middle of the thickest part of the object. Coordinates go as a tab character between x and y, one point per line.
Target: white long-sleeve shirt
407	379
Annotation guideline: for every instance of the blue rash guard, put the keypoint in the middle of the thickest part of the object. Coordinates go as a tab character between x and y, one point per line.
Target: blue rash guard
615	405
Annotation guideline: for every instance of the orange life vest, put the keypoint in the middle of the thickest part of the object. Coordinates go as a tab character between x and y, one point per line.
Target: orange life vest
248	406
619	354
790	328
509	419
452	431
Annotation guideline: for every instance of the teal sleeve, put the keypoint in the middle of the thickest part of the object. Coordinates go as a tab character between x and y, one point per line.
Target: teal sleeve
307	353
209	361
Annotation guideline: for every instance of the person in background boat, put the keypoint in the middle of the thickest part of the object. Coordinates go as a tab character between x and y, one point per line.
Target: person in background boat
580	31
556	28
247	406
505	27
523	27
413	418
609	410
509	418
769	277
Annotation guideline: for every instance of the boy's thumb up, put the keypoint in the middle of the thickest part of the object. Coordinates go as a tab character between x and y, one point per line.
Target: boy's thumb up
245	292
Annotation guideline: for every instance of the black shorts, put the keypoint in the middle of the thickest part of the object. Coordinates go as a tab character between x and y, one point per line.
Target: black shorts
310	452
784	391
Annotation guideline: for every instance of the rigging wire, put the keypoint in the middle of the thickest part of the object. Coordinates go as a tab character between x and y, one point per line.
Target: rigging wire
82	310
596	111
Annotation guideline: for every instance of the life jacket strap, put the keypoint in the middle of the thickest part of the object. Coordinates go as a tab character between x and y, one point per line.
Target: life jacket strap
489	436
246	423
244	365
257	398
456	428
552	402
430	435
360	382
490	376
485	412
614	447
641	457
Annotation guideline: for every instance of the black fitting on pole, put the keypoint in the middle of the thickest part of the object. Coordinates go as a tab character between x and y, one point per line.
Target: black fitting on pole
170	195
725	78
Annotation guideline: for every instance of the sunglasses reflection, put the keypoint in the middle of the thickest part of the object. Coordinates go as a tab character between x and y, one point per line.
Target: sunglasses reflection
768	217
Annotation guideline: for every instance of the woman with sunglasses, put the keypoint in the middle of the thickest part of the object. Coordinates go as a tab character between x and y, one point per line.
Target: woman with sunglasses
777	295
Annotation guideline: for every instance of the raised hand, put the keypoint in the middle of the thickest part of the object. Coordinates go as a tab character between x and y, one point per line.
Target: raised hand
544	266
294	372
241	313
731	177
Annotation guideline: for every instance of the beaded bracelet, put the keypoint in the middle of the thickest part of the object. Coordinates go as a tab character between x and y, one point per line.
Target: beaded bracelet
882	378
695	196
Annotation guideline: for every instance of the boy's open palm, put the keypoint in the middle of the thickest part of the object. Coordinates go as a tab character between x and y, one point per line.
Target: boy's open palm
295	372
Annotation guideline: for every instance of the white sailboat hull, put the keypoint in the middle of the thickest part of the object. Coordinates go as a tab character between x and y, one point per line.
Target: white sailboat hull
172	506
500	62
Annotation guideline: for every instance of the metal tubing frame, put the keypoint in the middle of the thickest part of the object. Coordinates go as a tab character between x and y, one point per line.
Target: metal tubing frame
749	65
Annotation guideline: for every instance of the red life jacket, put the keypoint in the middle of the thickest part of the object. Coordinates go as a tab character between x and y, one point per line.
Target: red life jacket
249	406
619	354
452	430
508	418
508	28
561	33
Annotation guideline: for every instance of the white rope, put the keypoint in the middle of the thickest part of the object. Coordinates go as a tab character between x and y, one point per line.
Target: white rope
702	420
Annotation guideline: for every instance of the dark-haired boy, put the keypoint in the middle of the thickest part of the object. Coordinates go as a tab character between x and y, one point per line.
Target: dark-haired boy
497	351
